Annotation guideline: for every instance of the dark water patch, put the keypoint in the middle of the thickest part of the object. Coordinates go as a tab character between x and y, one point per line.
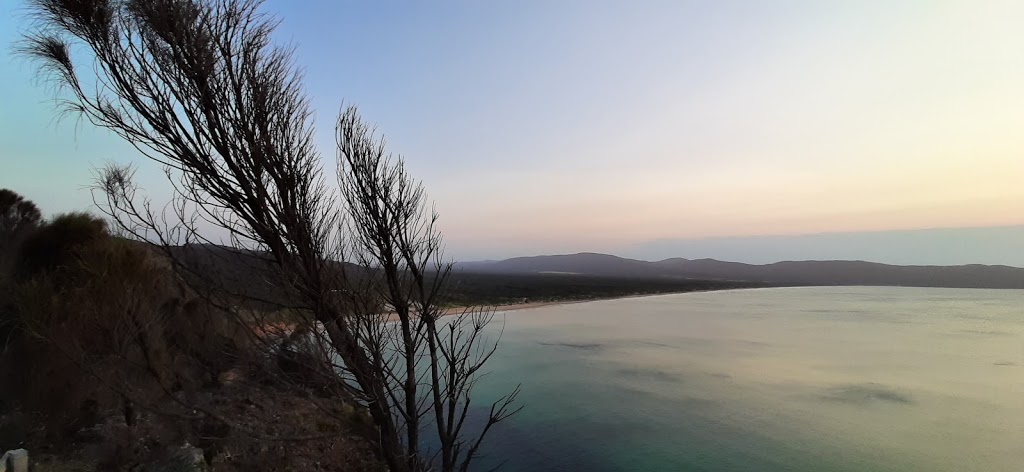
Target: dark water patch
584	346
750	343
633	394
865	393
688	342
655	344
833	311
719	375
976	317
695	403
658	375
979	332
524	449
521	445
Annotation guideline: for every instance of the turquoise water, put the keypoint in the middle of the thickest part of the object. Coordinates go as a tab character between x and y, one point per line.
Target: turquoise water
794	379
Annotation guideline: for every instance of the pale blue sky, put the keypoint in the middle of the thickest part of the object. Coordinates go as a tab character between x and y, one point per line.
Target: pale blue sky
563	126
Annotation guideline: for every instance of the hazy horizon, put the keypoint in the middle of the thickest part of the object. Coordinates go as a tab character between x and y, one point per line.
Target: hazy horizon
1002	245
654	129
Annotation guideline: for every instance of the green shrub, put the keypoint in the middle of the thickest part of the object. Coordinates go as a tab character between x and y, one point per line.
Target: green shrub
54	246
103	322
17	217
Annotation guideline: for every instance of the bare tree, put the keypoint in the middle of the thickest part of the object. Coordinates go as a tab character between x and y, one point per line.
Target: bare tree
430	364
198	86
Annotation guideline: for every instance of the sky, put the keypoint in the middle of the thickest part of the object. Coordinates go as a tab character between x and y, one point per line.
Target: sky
743	130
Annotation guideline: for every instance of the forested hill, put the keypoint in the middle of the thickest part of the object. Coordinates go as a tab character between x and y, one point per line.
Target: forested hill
252	276
779	273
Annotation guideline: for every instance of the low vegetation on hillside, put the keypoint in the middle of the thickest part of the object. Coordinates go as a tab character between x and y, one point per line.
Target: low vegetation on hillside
475	288
109	362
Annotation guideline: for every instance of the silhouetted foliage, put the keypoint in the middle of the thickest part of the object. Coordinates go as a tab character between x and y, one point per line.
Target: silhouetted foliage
16	213
18	217
101	318
55	245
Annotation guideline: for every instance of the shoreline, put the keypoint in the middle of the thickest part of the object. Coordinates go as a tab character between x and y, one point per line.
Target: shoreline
540	304
454	310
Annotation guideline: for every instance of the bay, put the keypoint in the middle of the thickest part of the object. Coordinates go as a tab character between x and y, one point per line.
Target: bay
786	379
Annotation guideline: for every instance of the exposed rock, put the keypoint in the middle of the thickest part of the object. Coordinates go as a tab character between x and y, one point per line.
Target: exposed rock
188	458
14	461
229	377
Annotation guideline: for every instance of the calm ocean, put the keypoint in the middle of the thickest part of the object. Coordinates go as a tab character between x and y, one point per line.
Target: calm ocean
792	379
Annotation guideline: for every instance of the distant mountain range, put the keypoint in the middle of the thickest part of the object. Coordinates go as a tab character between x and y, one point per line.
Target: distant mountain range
779	273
